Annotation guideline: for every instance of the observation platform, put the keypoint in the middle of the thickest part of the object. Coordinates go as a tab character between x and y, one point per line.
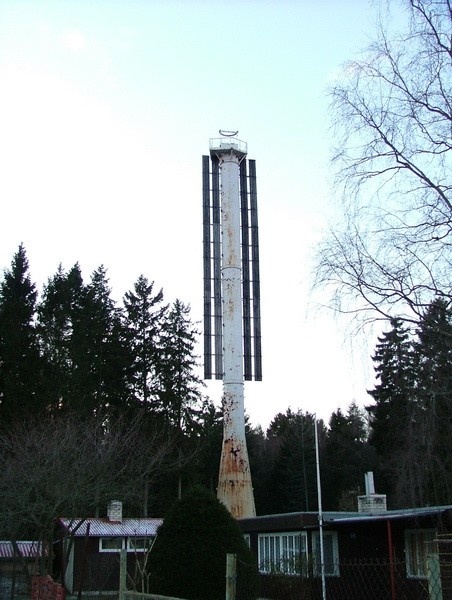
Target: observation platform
228	145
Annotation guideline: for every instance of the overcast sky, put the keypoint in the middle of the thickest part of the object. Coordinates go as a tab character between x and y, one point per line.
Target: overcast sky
106	107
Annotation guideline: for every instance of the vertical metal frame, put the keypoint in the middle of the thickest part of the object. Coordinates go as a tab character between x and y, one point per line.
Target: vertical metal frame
246	283
255	273
207	264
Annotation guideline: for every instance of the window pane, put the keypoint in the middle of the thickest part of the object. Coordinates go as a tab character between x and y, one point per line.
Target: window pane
111	543
140	544
282	553
330	553
417	548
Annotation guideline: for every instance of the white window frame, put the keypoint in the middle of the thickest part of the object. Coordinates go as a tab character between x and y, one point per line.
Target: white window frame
283	552
148	541
331	568
416	552
111	537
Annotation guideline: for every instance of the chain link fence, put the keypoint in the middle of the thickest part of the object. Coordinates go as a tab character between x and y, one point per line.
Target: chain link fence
363	580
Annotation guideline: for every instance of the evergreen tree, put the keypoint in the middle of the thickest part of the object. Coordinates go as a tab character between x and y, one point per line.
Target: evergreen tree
394	394
188	558
432	426
293	480
21	365
107	353
179	385
85	343
411	423
145	314
210	439
60	320
261	466
347	456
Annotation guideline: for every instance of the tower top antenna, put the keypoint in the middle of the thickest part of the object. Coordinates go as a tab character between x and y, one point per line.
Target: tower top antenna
227	133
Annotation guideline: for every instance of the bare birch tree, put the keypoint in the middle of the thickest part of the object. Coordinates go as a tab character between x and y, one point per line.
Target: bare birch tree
392	113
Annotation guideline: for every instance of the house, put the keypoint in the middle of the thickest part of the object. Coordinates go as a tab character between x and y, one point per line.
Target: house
373	553
18	562
87	550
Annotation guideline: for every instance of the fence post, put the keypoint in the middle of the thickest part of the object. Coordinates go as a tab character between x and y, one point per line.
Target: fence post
435	591
122	574
231	576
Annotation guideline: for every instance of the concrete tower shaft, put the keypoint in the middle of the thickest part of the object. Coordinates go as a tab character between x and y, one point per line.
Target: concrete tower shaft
235	488
231	304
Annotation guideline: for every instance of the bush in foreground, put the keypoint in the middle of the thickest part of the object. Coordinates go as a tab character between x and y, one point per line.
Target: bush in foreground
188	559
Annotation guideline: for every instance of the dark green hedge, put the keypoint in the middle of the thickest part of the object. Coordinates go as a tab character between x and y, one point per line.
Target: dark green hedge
188	559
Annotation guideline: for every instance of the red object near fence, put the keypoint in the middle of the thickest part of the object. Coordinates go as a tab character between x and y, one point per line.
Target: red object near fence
44	588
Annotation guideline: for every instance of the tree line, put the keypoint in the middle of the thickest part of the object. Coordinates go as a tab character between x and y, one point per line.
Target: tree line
100	401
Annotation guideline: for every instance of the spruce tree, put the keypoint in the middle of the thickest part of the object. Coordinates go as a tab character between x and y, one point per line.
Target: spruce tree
345	444
21	364
144	313
433	418
179	386
107	352
293	481
394	394
85	343
60	324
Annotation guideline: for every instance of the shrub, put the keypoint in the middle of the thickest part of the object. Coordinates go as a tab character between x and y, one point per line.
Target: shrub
188	559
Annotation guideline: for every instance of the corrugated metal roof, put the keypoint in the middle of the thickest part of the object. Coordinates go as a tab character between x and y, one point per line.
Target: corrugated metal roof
106	528
26	549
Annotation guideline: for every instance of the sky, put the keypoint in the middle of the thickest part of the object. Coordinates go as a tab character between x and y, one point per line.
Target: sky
106	107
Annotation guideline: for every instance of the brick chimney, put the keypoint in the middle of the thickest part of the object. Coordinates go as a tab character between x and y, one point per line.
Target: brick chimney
371	503
114	511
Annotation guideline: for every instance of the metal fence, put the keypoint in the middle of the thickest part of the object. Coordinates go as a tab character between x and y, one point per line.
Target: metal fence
362	580
355	580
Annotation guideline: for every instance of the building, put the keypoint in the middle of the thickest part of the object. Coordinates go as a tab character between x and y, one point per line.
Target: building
18	562
87	550
367	554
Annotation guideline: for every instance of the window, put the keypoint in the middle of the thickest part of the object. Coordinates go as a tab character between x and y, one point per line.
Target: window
139	544
417	547
246	537
111	544
330	553
283	553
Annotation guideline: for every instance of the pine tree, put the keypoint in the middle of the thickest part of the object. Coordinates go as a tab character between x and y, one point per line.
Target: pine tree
21	365
145	314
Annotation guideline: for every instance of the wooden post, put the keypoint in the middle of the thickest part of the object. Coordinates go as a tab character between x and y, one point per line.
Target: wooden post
122	574
231	576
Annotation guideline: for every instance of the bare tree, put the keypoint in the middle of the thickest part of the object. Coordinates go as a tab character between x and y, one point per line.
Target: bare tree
68	467
392	113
